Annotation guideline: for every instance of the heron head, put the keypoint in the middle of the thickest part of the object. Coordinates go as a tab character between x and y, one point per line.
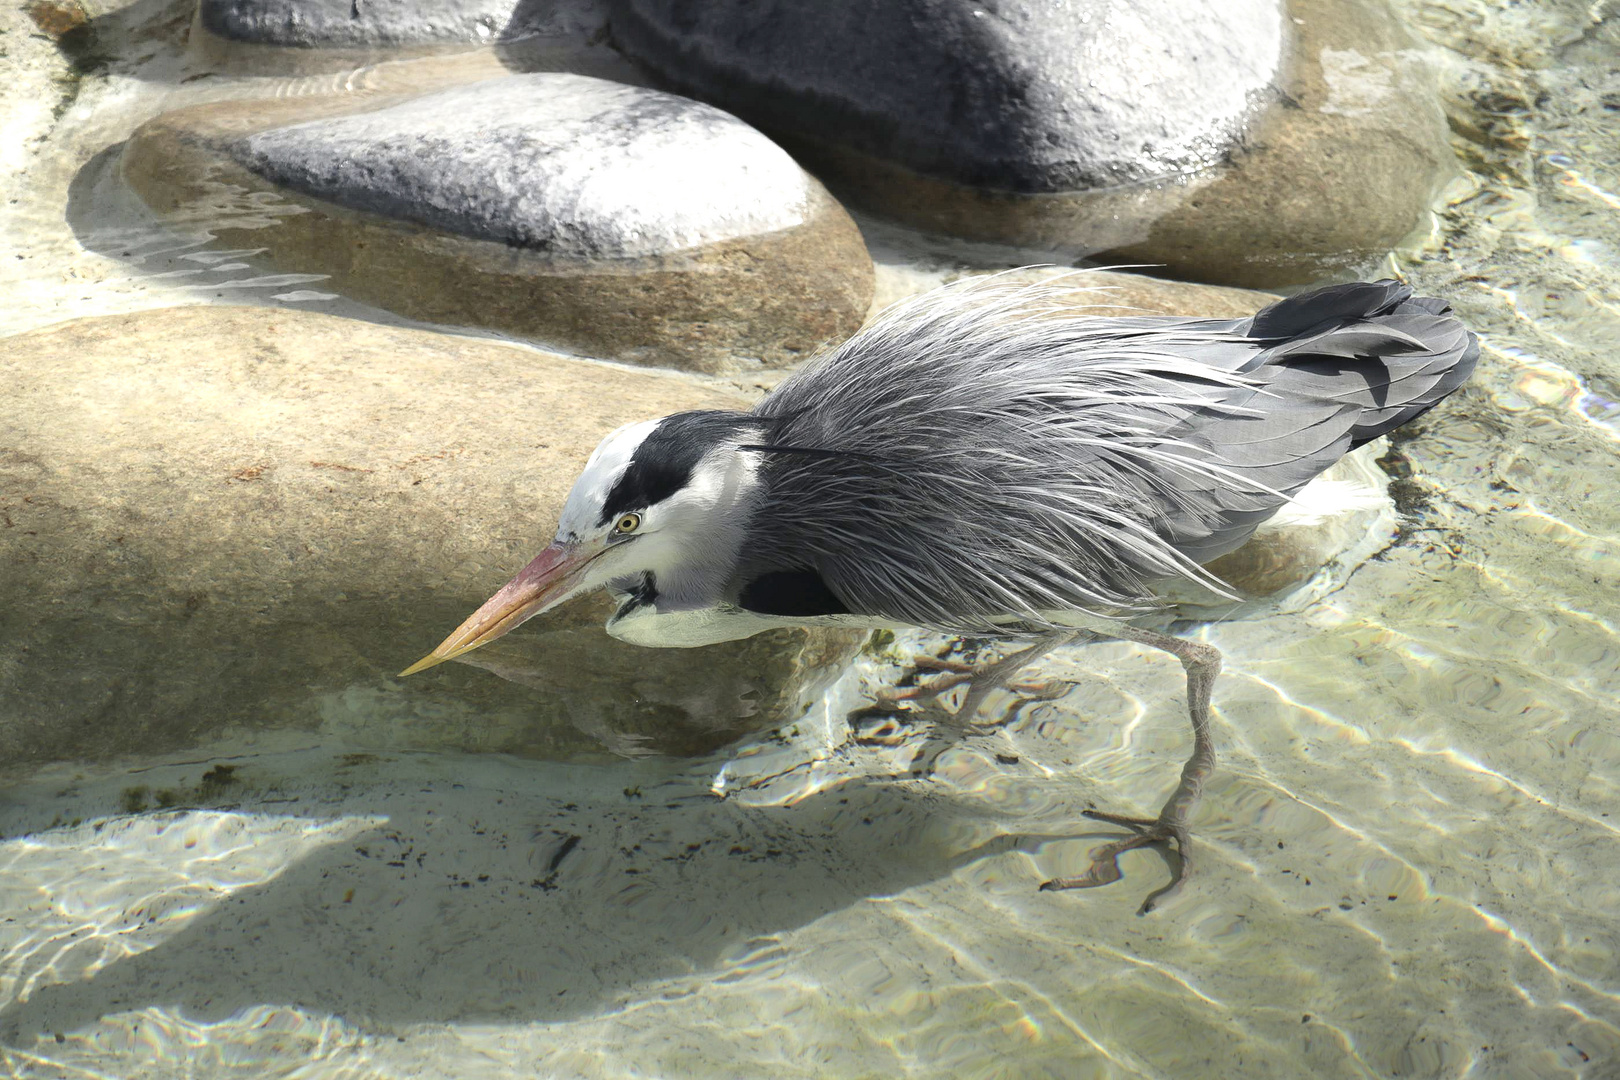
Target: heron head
663	500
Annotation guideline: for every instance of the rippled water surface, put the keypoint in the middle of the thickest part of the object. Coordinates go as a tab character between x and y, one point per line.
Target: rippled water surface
1408	864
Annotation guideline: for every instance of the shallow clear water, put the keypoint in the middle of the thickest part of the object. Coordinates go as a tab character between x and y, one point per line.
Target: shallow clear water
1408	865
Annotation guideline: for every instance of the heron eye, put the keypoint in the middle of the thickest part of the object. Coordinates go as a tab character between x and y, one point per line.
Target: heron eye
628	523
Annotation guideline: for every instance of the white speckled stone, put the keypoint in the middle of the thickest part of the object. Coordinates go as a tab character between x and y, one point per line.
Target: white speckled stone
564	164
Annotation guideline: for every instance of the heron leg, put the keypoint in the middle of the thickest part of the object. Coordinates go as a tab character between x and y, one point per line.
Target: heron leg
1202	663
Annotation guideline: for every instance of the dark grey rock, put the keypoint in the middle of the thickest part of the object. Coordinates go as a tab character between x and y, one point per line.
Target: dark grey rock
1008	95
562	164
617	221
379	23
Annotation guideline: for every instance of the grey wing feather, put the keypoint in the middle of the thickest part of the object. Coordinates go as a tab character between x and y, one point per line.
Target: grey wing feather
1368	359
995	453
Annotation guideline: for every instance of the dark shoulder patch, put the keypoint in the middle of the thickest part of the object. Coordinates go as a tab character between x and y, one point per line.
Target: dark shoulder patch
791	593
644	593
664	461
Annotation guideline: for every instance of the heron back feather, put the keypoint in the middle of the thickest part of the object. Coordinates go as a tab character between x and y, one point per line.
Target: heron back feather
988	450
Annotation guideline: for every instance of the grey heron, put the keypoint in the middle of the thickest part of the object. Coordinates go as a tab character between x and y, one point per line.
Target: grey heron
988	460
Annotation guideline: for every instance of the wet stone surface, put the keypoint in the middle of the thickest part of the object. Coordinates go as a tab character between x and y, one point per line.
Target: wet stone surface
1344	166
559	164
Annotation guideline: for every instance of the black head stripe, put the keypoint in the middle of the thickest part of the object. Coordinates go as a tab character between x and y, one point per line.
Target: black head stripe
664	461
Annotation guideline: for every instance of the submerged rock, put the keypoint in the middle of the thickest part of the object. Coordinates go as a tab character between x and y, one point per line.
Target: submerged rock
220	518
1169	132
615	220
58	20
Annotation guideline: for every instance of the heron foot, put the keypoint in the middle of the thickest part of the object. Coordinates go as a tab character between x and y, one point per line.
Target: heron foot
929	662
981	679
1033	689
950	674
1104	868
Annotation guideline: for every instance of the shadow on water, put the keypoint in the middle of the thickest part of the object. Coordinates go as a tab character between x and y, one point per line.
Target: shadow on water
444	914
184	258
109	219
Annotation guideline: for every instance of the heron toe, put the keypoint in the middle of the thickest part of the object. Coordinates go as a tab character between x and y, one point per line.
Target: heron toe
1104	868
983	679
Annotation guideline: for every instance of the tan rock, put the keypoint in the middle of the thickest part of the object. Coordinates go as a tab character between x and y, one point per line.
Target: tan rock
217	518
57	19
1103	292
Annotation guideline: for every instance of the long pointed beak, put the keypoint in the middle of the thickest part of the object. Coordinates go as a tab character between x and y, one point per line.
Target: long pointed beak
546	582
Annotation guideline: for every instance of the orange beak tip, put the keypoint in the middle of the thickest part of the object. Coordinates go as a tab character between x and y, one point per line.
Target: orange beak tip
430	660
541	585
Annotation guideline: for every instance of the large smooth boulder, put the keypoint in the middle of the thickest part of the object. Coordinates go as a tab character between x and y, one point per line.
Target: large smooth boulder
236	519
614	220
1009	96
1251	143
1343	167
